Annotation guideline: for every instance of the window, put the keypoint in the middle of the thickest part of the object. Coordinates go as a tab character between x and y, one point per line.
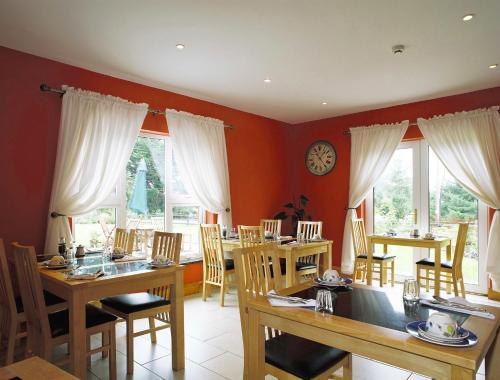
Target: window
156	196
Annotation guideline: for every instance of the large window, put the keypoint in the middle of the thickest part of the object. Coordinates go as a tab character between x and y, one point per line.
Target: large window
151	196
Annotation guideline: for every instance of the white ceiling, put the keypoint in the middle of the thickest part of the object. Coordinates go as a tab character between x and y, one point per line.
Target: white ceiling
313	50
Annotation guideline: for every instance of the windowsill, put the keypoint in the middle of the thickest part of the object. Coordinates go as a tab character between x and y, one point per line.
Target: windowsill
191	260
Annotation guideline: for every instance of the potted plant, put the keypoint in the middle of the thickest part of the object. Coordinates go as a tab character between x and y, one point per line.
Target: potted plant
296	211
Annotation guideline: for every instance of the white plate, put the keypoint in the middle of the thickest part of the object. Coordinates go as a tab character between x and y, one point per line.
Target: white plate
412	329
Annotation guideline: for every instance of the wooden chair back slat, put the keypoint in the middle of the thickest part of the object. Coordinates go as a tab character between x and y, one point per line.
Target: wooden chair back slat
271	225
124	239
167	244
460	247
359	237
251	235
213	254
257	271
8	311
309	228
33	301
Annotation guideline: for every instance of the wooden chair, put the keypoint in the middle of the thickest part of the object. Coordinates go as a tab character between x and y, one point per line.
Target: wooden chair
216	268
124	239
271	225
380	263
451	271
153	304
251	235
46	331
258	272
12	315
309	264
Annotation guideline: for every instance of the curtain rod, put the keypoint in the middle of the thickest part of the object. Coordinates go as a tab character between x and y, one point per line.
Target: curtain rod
347	132
46	88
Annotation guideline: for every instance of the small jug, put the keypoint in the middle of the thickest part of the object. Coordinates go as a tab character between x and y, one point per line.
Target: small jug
80	251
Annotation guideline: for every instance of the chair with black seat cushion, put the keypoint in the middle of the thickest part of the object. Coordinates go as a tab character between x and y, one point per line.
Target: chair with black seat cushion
308	266
287	356
46	331
12	317
153	304
216	268
251	235
381	263
124	239
451	271
271	225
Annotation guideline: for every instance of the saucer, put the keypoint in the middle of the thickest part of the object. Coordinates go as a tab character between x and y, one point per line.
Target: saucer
412	329
333	284
462	334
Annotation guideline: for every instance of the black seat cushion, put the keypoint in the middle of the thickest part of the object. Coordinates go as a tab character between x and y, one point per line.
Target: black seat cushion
430	262
299	265
50	300
301	357
130	303
229	264
59	322
377	256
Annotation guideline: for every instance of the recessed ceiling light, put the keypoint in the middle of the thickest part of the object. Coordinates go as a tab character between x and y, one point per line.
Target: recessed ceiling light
267	80
324	103
468	17
494	66
180	46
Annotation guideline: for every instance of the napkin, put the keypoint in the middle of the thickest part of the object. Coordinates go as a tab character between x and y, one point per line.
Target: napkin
85	276
458	309
130	258
282	301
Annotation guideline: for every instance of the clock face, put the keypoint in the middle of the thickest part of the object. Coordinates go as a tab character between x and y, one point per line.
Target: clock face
320	157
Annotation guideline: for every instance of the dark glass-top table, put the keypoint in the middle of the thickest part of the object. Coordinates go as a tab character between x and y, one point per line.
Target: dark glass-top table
376	307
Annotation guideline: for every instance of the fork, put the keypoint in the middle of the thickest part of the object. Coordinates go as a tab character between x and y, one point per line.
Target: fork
288	299
444	301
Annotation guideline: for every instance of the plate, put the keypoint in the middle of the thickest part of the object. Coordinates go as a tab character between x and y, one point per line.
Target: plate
114	257
422	330
470	341
328	284
57	266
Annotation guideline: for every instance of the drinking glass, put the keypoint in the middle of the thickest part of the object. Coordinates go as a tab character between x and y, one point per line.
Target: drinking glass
324	301
299	237
411	291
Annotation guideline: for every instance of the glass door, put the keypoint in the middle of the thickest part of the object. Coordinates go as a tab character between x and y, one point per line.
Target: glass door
416	191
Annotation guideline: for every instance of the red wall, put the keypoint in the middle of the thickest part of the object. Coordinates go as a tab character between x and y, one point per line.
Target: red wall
329	194
29	123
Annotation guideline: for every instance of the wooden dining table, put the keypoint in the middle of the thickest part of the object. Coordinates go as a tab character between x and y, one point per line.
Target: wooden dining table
436	244
371	323
34	368
119	278
291	252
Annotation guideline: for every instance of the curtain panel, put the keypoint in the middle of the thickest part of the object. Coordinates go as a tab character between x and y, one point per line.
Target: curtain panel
371	150
96	136
468	145
199	146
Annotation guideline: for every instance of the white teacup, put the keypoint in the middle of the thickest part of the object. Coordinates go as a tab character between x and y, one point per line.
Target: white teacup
429	235
268	234
316	237
441	324
331	275
161	260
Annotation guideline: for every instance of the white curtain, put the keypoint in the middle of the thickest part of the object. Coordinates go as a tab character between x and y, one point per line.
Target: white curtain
96	136
200	150
468	144
371	150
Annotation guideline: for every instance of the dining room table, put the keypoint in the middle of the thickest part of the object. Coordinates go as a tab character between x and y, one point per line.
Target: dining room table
436	244
291	251
118	278
372	322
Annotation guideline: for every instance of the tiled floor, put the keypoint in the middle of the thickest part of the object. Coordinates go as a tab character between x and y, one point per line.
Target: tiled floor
214	348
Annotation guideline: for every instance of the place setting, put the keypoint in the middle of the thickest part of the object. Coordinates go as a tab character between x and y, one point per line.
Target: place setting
57	263
160	262
332	279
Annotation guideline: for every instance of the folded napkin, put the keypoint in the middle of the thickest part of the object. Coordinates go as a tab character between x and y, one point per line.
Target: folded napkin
130	258
84	276
292	243
468	308
284	301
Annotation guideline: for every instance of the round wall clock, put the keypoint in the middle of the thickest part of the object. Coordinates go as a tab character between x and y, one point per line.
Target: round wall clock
320	157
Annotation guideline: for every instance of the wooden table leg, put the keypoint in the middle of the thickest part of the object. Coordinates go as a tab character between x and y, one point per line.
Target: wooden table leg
256	346
77	334
437	270
290	268
369	263
177	320
493	360
327	257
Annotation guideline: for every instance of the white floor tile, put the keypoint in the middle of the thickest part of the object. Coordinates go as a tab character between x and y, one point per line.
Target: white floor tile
163	368
228	365
231	342
199	351
100	369
369	369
